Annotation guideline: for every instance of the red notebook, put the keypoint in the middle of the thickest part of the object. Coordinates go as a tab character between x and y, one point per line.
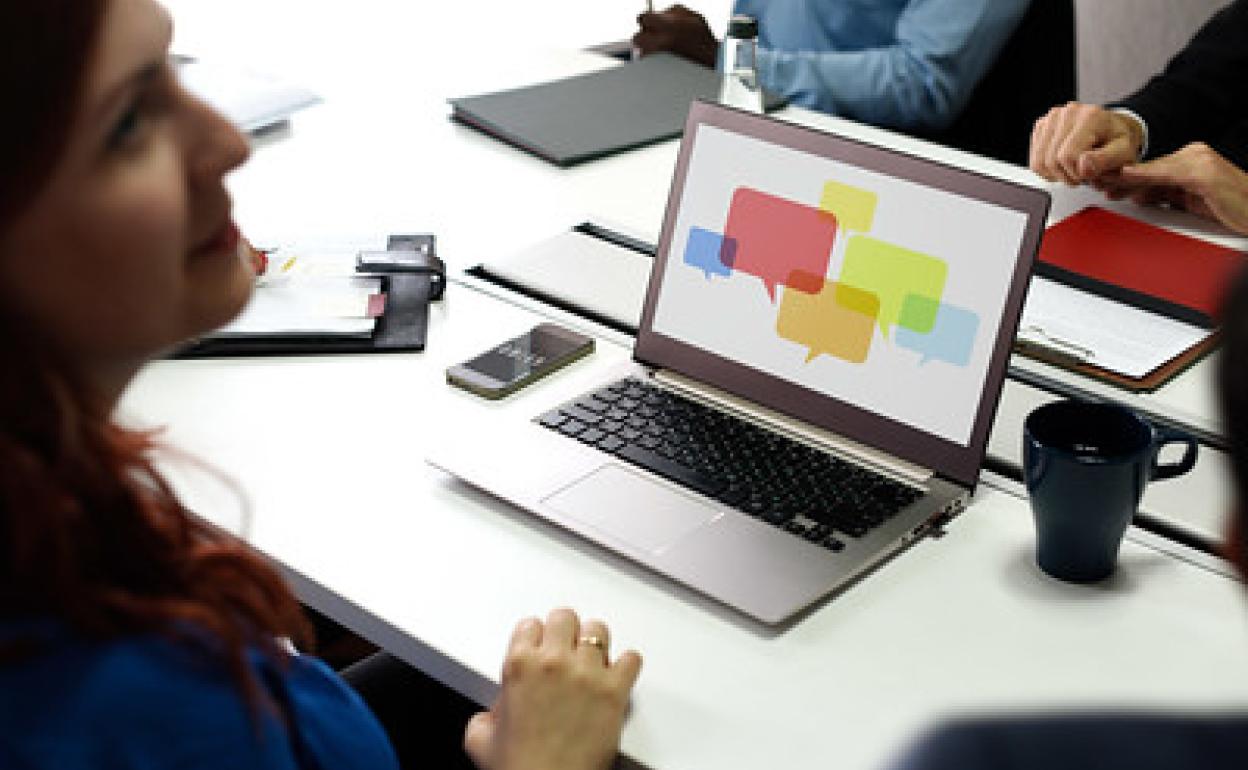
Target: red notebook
1139	264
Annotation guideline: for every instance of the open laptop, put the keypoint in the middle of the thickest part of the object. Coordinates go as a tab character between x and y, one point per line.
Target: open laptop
817	368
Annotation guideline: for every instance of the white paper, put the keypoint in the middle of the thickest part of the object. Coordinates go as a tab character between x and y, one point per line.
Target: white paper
318	294
584	271
250	100
1112	335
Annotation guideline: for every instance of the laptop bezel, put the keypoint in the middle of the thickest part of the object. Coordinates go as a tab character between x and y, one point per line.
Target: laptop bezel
946	458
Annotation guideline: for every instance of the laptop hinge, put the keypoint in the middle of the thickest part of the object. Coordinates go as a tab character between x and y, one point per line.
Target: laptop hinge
819	437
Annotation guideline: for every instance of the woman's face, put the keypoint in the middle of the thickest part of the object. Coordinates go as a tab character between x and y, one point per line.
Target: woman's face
130	248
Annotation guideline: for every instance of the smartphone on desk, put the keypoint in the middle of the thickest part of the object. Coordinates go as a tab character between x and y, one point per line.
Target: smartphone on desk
517	362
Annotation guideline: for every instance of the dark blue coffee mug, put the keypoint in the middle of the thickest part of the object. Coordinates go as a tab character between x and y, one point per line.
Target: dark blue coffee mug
1086	466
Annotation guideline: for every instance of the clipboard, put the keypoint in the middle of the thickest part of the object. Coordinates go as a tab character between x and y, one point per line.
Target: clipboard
402	327
1152	381
1139	265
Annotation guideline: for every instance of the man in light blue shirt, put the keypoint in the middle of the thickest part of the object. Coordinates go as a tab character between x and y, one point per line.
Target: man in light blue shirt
905	64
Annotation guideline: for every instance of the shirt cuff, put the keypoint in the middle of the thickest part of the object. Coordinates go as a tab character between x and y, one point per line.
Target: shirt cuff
1143	124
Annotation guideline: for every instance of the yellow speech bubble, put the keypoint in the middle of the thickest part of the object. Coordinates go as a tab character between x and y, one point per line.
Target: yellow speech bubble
853	207
892	273
837	321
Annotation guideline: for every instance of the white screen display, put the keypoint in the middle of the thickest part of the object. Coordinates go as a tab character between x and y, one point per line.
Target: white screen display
879	292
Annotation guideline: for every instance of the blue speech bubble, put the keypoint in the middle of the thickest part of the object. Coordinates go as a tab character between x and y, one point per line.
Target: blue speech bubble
710	252
951	339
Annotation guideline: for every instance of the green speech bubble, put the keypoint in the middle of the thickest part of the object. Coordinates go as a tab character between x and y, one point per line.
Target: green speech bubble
892	273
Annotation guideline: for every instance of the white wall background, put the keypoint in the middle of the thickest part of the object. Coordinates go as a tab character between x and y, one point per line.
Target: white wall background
1123	42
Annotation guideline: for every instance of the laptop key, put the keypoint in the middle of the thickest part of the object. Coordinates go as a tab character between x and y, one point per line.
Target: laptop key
755	506
611	444
659	464
592	404
577	413
778	516
591	436
552	419
732	495
572	427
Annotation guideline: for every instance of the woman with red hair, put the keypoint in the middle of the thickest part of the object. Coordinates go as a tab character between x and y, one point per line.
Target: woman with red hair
132	634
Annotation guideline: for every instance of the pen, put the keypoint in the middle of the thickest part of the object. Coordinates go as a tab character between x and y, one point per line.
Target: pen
1038	340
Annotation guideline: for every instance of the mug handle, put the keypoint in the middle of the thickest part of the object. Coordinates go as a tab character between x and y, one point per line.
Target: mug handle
1167	436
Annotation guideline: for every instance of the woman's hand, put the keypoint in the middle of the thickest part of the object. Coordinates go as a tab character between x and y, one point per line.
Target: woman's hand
562	703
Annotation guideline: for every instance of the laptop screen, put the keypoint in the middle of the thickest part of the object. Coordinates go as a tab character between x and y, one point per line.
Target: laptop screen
878	286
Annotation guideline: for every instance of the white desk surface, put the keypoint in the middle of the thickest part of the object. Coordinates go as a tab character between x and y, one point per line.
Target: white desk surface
330	450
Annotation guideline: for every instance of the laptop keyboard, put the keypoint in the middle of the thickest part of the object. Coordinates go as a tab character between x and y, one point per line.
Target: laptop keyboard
808	493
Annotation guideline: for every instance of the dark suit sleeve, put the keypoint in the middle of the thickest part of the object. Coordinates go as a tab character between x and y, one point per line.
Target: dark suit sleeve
1203	93
1083	742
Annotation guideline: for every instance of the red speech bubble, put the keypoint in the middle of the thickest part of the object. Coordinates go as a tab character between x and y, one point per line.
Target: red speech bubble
777	238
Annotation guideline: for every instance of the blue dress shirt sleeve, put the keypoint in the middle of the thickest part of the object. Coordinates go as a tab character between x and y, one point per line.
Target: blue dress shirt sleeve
917	77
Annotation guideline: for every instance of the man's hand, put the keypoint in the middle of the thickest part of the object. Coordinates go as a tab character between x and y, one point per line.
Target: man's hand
1081	143
562	703
677	30
1195	178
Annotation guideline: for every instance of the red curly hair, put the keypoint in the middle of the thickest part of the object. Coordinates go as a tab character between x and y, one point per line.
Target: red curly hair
91	535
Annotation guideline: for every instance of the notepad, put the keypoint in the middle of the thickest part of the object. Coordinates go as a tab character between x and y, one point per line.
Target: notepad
580	118
1139	264
1102	332
584	273
321	294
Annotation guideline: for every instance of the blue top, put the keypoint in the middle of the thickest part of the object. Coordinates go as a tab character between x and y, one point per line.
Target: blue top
908	64
1086	742
145	702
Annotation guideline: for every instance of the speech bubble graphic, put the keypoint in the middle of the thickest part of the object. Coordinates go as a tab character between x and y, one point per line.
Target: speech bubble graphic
892	273
918	313
837	321
777	238
952	336
853	207
710	252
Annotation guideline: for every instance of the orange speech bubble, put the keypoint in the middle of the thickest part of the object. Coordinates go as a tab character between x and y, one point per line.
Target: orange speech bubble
838	321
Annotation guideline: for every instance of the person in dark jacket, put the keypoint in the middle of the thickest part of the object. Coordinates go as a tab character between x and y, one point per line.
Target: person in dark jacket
1181	140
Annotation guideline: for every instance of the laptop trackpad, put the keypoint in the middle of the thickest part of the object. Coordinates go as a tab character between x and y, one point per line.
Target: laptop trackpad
631	508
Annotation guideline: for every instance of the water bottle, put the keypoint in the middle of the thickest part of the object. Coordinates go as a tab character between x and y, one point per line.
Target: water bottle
739	84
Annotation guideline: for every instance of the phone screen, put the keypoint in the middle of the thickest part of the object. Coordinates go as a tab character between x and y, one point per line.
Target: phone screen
528	354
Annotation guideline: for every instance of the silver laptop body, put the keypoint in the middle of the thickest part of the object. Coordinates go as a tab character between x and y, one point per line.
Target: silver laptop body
894	365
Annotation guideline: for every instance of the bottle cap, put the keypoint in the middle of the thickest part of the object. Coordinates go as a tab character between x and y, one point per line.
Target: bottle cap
742	27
